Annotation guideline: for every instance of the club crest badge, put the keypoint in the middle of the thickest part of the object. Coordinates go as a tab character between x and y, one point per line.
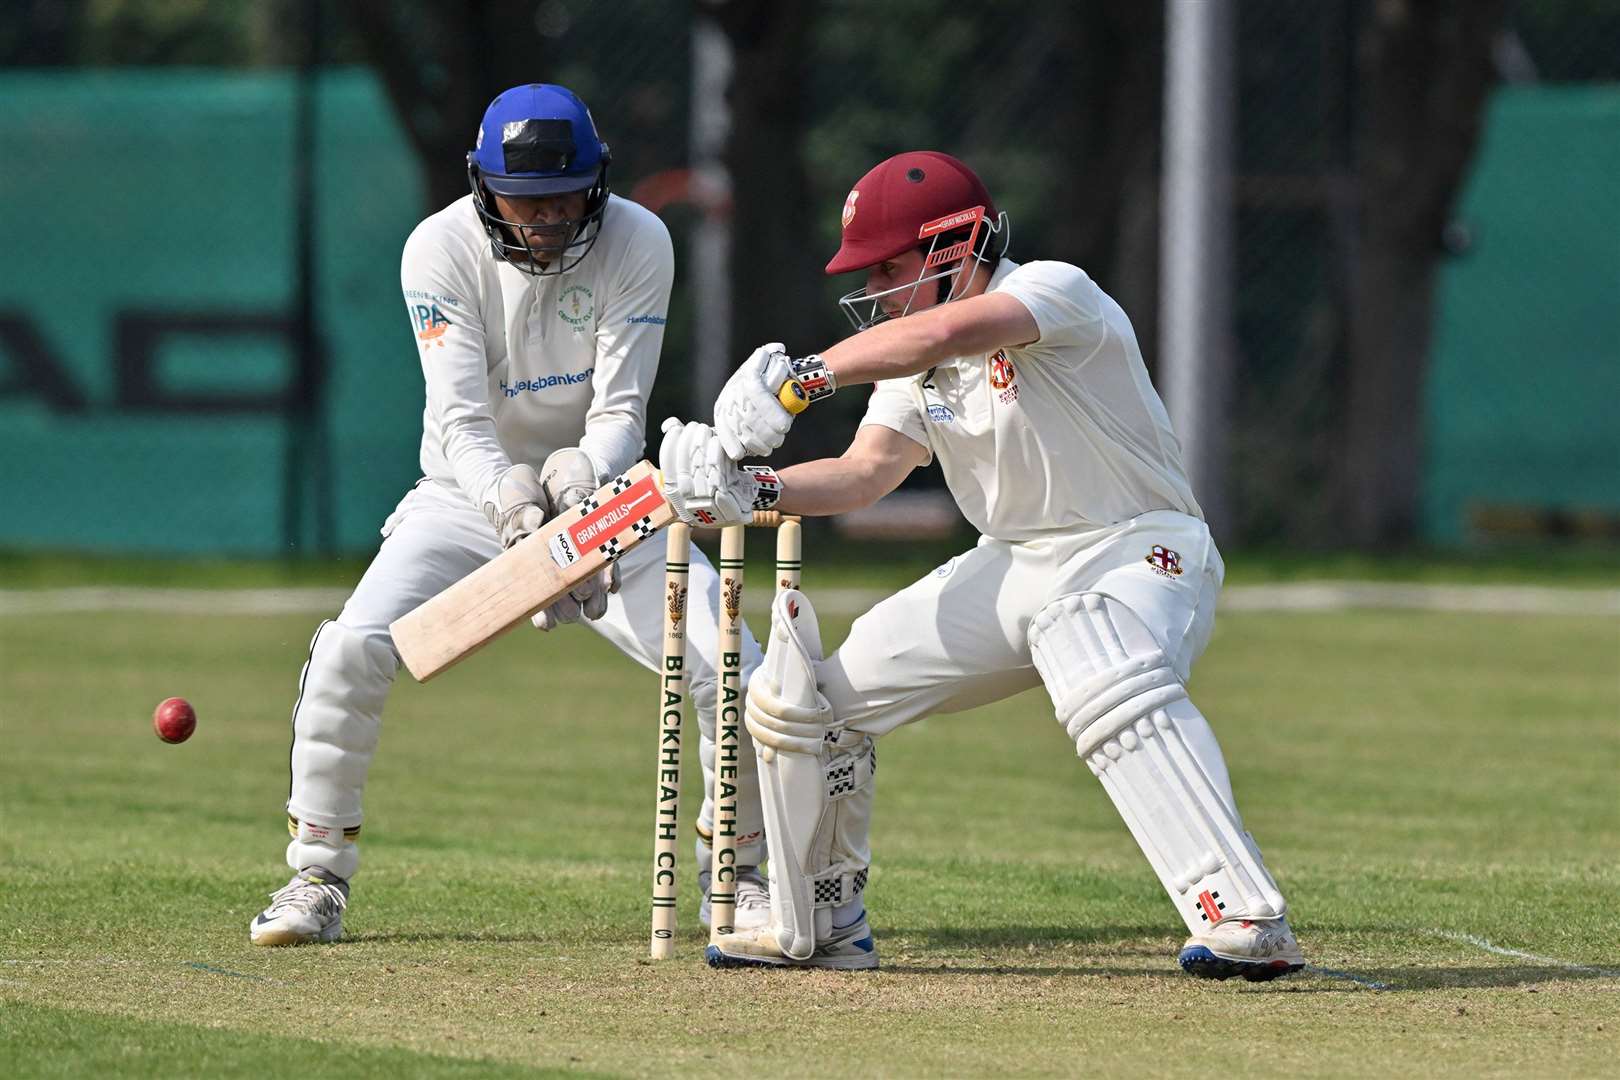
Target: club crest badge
1001	370
1164	562
576	307
1003	377
849	207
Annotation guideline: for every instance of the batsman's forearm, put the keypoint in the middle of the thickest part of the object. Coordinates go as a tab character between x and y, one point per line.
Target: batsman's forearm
915	343
828	486
890	350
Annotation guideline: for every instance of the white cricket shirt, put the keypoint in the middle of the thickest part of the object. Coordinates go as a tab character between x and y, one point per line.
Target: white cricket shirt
519	365
1059	436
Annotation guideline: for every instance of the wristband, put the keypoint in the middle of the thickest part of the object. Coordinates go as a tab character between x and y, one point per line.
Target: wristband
816	378
769	485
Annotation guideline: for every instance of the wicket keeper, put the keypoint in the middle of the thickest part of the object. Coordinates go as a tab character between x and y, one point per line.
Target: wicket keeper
538	303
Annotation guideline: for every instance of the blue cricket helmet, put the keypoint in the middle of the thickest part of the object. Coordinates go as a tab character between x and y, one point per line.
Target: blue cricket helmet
535	141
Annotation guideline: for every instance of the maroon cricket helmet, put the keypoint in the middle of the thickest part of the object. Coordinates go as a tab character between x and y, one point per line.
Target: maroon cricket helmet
889	208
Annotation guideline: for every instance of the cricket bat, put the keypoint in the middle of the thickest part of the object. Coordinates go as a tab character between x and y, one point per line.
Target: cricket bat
533	573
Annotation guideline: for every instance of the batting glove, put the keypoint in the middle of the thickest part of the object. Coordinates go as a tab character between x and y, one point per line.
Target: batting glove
704	485
748	418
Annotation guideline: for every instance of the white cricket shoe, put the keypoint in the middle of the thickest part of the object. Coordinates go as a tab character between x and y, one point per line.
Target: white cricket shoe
1257	949
308	908
753	900
849	949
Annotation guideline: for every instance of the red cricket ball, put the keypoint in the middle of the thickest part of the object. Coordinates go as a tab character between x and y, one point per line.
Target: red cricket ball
174	720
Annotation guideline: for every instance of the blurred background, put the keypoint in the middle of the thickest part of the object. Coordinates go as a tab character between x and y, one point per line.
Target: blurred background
1371	247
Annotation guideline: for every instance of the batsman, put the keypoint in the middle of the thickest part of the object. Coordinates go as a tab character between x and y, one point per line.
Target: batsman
1094	574
538	301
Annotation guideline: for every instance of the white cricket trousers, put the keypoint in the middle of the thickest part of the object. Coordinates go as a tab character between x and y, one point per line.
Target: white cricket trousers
959	637
434	538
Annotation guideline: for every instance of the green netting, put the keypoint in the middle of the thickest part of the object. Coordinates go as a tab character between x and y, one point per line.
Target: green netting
168	194
1526	368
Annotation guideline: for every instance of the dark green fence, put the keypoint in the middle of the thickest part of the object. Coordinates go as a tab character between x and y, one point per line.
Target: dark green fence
148	366
147	359
1522	424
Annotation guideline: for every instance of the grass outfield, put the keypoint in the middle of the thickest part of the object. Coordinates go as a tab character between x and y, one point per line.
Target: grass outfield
1437	794
866	564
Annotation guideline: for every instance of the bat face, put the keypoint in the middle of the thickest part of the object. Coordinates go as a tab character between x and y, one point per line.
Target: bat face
599	523
533	573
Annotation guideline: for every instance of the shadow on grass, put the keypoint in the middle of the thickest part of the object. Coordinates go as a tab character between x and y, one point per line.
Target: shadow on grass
1146	938
1313	980
1032	941
1160	949
427	937
1467	978
1025	951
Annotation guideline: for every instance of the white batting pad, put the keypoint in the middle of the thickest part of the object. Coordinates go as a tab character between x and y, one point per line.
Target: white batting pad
1128	712
815	783
322	845
337	721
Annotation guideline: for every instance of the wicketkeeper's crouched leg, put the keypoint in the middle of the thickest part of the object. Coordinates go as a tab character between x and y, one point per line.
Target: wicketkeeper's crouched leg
750	829
433	538
335	727
335	730
634	624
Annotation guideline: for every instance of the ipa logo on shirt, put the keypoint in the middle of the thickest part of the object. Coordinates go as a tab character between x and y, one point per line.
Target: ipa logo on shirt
430	324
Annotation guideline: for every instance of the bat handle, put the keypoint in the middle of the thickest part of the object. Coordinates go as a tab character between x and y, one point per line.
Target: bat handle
792	396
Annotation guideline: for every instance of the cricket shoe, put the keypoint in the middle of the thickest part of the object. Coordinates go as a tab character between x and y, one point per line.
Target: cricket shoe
850	948
753	900
1257	949
308	908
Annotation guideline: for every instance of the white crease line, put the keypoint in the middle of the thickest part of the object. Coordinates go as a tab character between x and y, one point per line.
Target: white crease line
1360	980
1296	596
1481	943
1459	599
292	601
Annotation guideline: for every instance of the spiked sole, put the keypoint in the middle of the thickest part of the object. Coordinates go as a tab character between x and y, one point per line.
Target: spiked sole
860	962
294	937
1201	962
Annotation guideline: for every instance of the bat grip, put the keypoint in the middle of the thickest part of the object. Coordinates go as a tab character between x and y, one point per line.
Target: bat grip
792	396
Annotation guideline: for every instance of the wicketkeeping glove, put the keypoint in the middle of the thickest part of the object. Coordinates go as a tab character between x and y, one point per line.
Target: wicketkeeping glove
517	505
568	476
